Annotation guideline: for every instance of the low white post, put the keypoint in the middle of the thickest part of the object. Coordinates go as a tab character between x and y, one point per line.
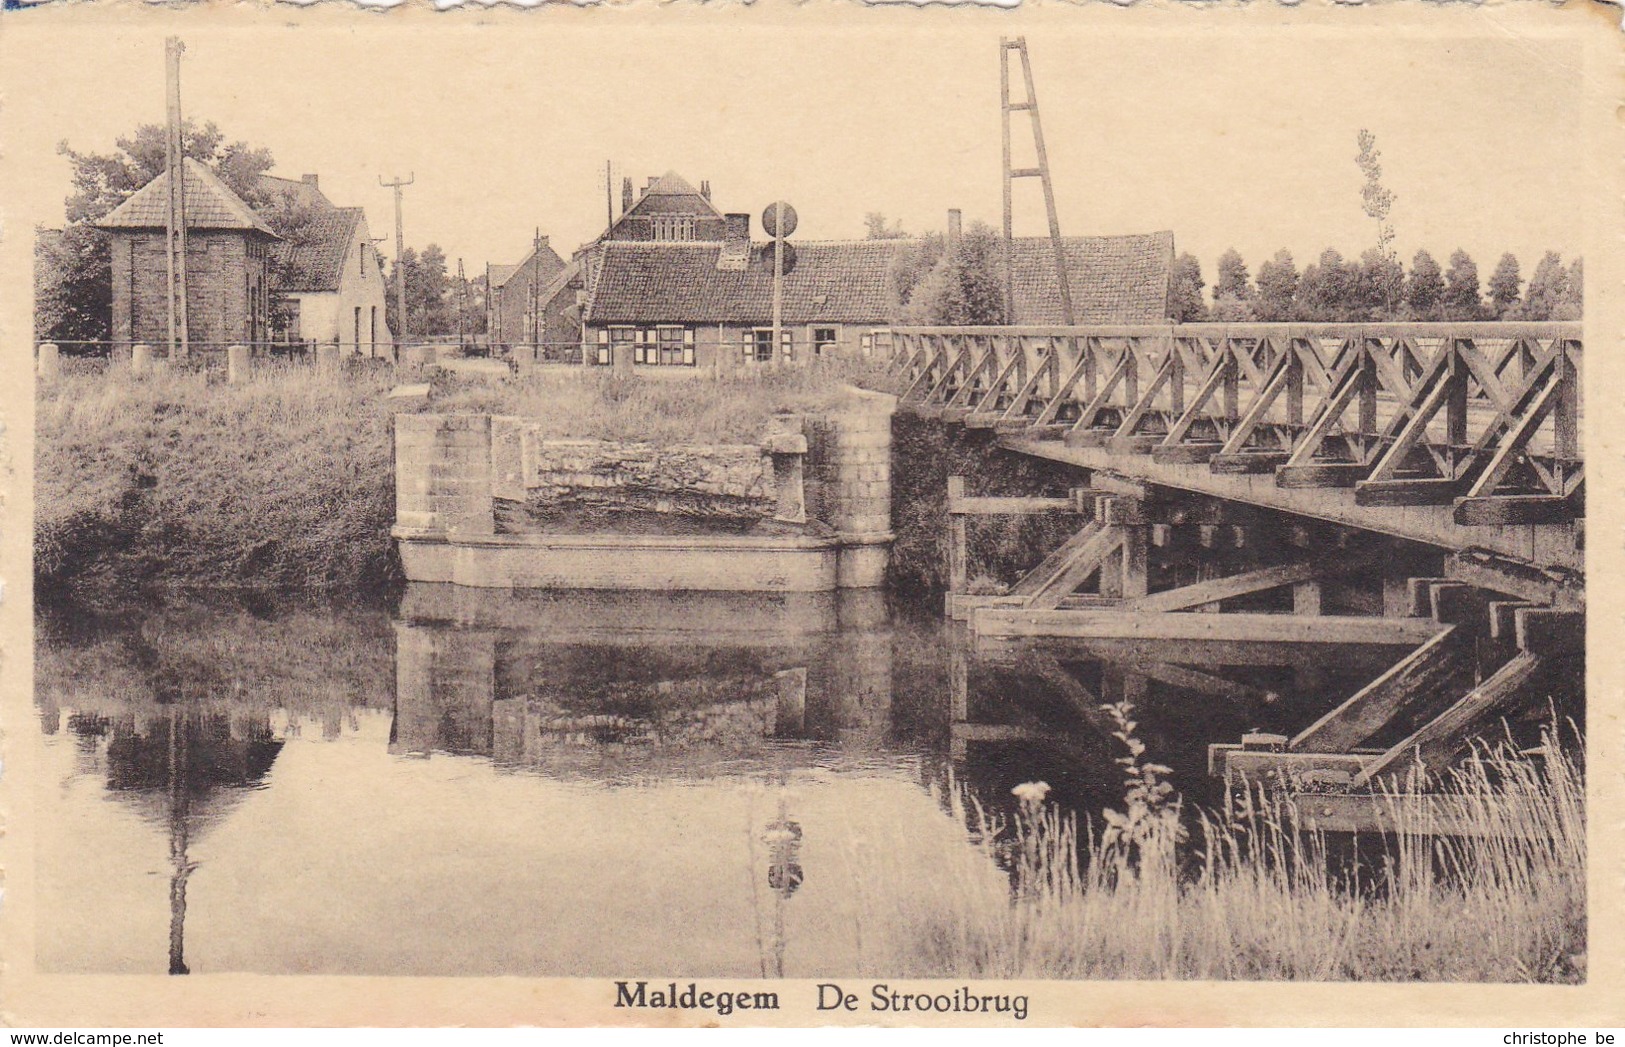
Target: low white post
141	360
238	367
49	365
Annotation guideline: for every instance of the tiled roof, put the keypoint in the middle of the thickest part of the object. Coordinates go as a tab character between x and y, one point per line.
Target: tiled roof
1113	279
671	184
842	282
501	274
300	190
210	204
561	282
315	257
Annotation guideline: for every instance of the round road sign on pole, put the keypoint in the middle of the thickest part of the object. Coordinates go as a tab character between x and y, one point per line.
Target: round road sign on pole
766	258
770	220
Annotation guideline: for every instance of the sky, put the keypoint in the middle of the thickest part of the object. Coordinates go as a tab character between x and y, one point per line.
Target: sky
1242	140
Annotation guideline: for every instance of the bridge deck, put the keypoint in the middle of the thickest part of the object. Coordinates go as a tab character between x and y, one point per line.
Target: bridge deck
1545	544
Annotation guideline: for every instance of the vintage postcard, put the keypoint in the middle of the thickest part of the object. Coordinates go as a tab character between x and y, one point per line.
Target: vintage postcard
811	514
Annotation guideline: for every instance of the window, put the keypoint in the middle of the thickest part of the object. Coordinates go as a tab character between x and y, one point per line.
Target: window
361	261
285	319
676	347
357	339
619	339
759	345
867	343
824	339
602	357
673	226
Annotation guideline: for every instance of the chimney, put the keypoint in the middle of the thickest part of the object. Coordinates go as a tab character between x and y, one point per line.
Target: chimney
705	189
626	195
652	180
735	254
541	241
955	227
309	180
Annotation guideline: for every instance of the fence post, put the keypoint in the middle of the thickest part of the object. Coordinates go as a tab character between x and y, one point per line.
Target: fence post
958	554
238	367
141	360
327	358
49	364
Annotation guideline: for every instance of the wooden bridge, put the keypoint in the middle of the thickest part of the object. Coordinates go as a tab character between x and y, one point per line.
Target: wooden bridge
1318	445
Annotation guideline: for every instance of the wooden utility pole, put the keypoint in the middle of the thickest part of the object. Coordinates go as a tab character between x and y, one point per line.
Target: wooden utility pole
175	221
778	283
536	295
609	198
462	308
400	252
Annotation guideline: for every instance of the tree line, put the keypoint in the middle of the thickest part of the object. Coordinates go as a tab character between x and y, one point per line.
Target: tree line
1373	288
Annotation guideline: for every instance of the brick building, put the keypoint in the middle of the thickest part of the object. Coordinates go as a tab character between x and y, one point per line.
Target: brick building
513	292
228	255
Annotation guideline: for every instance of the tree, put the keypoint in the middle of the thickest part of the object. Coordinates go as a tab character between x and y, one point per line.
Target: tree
1461	294
73	284
964	286
1424	288
1185	291
911	266
430	310
1277	289
1233	280
1376	200
73	270
877	229
1325	291
1233	289
1547	288
1504	287
1572	305
1376	287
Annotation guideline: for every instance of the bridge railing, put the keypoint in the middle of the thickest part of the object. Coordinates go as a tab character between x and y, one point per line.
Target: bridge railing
1485	416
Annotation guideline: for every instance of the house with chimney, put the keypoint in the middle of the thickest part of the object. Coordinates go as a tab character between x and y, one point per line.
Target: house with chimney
709	304
228	263
328	282
515	293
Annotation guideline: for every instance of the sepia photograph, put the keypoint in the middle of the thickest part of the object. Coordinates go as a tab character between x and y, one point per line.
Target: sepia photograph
799	516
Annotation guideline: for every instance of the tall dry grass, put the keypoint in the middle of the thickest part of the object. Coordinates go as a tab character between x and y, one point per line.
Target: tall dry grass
287	481
671	407
1258	899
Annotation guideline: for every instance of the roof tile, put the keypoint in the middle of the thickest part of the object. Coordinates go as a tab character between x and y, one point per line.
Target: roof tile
210	204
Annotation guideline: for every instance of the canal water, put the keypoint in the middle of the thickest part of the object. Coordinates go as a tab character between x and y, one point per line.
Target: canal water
593	784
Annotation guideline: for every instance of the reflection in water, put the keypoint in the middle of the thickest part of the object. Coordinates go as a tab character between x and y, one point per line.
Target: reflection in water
590	783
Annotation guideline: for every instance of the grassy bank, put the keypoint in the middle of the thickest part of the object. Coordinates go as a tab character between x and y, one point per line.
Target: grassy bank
287	482
284	482
1257	900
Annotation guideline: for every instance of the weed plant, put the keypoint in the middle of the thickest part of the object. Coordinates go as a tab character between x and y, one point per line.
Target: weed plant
1255	897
